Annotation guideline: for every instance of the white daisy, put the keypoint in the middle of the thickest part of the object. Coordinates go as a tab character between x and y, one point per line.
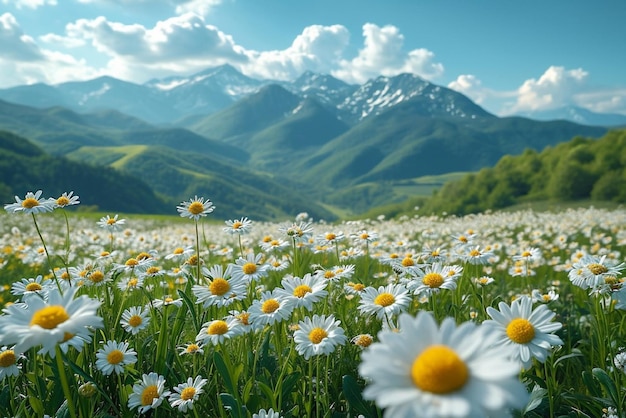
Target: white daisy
111	224
222	290
318	336
526	331
431	280
304	291
48	322
135	319
448	371
32	203
384	302
249	269
9	362
195	208
148	393
219	330
114	356
593	271
191	348
31	286
271	308
66	199
241	226
270	413
186	394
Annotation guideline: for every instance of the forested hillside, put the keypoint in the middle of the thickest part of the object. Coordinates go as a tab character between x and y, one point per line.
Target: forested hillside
582	168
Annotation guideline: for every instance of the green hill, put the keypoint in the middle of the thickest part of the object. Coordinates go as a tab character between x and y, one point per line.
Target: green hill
580	169
25	167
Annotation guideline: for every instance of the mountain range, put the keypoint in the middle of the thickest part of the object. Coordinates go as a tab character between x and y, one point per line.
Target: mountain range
315	144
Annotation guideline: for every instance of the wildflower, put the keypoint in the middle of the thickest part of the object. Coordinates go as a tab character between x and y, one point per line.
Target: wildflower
222	290
130	283
32	203
304	291
180	253
167	300
385	301
476	256
330	238
620	360
433	255
48	322
278	264
87	390
484	281
31	286
250	268
270	413
352	288
364	236
186	394
240	227
114	356
218	330
111	224
318	336
298	232
195	208
191	348
66	199
528	332
425	370
9	365
529	255
271	308
362	340
539	297
431	280
135	319
148	393
593	271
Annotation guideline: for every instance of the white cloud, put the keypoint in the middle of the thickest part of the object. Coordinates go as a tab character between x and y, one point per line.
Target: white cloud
200	7
382	54
555	88
318	48
470	86
30	4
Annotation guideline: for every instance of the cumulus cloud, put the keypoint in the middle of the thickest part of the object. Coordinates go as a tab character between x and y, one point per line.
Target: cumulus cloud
557	87
179	44
318	48
30	4
14	44
383	54
470	86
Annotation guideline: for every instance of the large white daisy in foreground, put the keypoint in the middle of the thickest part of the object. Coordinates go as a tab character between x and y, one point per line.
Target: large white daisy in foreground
429	371
528	332
39	322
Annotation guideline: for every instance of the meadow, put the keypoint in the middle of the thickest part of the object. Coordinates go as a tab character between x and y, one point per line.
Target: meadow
502	313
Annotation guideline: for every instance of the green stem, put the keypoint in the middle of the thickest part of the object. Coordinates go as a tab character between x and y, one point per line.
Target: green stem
43	242
197	252
64	383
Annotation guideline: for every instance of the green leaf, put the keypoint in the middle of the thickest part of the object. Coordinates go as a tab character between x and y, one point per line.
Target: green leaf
224	372
591	384
609	385
536	396
37	405
233	405
289	382
190	307
352	392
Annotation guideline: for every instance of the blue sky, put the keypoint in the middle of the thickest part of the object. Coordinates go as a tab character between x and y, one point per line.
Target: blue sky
509	56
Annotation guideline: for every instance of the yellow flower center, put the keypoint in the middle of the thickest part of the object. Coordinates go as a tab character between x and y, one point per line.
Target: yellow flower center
63	201
135	321
131	262
33	287
67	336
65	275
152	270
50	317
384	299
105	254
596	268
237	224
463	238
96	276
249	268
270	306
244	318
179	250
329	274
218	328
7	358
433	280
30	203
111	221
408	262
188	393
115	357
219	286
317	335
474	253
526	254
149	394
365	235
520	330
302	290
192	348
438	369
363	340
359	287
330	236
133	282
193	260
196	208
